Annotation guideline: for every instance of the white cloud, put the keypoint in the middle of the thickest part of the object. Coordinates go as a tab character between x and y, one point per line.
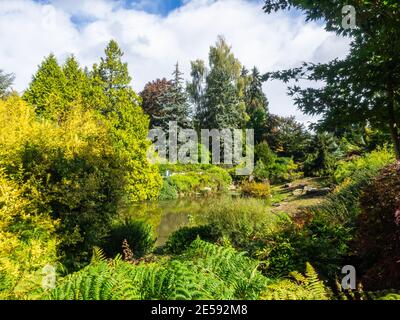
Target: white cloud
152	43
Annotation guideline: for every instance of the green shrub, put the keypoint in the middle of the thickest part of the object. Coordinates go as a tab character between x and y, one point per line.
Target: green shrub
372	161
68	169
212	177
242	221
299	287
181	239
256	190
168	192
186	182
138	234
320	234
27	243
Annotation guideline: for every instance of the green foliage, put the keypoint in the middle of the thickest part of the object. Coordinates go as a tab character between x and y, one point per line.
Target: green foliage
181	239
361	88
302	287
119	105
138	234
273	168
27	243
204	176
256	105
321	160
204	271
320	234
242	221
372	161
168	191
56	91
69	170
166	100
218	93
287	137
46	92
256	190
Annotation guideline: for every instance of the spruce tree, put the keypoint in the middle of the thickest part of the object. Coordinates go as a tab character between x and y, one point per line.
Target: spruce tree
46	92
166	100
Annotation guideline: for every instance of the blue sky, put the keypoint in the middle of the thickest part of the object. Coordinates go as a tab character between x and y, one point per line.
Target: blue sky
162	7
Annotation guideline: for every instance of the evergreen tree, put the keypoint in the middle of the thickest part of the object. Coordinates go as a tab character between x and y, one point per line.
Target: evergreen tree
180	106
321	158
6	81
256	105
46	92
77	82
119	105
166	100
218	93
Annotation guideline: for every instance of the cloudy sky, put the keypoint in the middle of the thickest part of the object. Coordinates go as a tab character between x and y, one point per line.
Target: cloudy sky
155	34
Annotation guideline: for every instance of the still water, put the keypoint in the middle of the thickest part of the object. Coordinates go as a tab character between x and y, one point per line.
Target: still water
169	216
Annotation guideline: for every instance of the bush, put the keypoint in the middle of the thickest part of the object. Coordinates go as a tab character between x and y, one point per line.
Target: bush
27	243
138	234
372	161
241	221
320	234
256	190
181	239
68	169
377	243
271	167
212	177
168	191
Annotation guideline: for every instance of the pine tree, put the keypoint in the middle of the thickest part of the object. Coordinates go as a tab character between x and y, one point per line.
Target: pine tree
46	92
256	105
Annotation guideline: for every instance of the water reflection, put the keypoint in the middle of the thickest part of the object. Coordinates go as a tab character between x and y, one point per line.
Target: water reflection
169	216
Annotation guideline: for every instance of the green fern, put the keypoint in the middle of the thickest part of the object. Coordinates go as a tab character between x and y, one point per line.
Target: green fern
304	287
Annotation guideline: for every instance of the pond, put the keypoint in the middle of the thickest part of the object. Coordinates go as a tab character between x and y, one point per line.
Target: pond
171	215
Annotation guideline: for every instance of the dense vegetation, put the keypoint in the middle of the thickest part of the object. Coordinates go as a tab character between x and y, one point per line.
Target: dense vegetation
74	156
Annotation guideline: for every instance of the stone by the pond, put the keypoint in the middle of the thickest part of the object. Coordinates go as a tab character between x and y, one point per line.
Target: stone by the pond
298	192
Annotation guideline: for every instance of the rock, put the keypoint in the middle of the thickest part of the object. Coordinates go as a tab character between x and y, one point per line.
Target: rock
298	192
288	185
318	192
